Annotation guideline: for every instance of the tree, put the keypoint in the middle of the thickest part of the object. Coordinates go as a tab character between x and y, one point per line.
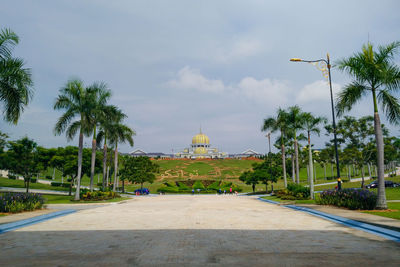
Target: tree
373	72
107	118
268	171
77	101
311	125
15	81
119	133
102	95
249	178
296	122
279	123
138	170
22	159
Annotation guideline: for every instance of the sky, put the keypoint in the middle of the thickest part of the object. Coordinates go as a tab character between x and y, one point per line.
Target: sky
175	66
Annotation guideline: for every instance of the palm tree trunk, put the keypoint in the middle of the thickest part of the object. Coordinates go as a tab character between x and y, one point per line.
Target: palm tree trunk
293	172
115	166
78	178
311	167
296	152
93	159
369	170
104	165
381	201
362	176
325	171
54	173
284	163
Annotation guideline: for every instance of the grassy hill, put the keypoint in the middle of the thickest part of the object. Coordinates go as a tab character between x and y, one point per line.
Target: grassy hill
203	169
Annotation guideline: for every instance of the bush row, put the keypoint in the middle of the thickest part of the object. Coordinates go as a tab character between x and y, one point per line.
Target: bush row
17	202
181	187
349	198
86	195
67	185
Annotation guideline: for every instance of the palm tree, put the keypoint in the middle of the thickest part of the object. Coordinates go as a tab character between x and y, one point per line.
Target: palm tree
373	72
279	123
119	133
15	80
311	124
296	122
102	95
110	116
77	101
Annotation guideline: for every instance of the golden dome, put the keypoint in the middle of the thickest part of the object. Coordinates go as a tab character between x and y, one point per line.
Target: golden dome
200	150
200	139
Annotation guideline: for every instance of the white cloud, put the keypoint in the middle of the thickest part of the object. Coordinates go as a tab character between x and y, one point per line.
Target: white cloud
265	91
188	78
317	91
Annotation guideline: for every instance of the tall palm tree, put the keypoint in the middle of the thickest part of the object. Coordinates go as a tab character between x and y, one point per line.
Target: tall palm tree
77	101
119	133
296	122
374	73
311	125
102	95
15	81
107	119
279	123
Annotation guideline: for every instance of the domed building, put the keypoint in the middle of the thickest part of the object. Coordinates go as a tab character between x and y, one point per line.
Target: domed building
201	149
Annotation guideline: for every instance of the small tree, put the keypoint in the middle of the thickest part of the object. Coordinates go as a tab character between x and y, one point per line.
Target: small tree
249	178
139	170
22	157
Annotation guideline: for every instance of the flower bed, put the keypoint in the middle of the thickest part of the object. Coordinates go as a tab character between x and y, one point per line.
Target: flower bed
17	202
86	195
349	198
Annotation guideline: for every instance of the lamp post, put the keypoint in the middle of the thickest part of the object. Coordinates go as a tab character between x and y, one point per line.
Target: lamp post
325	66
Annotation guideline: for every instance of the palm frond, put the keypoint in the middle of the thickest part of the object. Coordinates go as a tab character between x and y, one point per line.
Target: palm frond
390	106
72	130
8	39
349	96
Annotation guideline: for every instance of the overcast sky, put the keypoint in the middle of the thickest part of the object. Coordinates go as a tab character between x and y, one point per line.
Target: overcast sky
175	65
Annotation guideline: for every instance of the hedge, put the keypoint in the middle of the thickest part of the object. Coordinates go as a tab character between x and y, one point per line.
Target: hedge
349	198
198	185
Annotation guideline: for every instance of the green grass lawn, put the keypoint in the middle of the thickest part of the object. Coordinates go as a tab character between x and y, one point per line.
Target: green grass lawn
57	199
394	214
5	182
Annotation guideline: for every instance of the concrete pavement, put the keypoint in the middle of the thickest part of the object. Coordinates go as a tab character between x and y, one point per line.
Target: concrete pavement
200	230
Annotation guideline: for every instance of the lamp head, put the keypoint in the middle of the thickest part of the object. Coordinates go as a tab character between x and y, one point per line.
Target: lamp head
296	59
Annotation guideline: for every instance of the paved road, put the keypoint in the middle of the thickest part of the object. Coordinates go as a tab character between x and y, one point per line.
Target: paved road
200	230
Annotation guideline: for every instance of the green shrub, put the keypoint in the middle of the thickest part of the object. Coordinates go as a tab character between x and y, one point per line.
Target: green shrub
56	183
86	195
12	176
183	187
17	202
168	189
198	185
33	180
349	198
67	185
49	177
299	191
214	186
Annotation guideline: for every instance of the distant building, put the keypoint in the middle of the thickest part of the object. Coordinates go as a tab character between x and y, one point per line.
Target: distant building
247	154
201	149
141	153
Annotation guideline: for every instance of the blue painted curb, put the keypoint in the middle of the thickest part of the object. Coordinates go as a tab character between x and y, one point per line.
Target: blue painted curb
22	223
380	231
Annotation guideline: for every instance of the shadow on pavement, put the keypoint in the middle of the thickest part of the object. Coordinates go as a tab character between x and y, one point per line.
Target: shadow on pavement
194	247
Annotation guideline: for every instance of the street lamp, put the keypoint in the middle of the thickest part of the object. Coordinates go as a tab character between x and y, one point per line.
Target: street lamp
325	66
